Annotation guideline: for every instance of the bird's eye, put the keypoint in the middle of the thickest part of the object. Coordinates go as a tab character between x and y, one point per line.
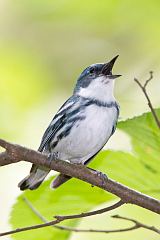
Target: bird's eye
91	70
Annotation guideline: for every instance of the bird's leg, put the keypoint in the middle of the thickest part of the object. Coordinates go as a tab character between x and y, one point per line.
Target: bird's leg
103	176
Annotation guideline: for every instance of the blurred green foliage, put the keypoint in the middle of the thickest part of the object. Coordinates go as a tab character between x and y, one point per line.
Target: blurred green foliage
44	45
138	170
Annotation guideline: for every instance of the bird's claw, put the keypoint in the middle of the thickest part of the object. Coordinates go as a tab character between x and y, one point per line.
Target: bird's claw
52	156
102	176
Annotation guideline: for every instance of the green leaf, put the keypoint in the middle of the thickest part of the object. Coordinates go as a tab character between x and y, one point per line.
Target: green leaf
138	169
73	197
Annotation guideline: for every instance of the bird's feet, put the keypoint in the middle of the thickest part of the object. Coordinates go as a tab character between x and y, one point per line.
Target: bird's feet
101	175
52	156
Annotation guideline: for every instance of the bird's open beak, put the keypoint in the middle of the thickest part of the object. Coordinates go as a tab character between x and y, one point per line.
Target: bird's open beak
107	68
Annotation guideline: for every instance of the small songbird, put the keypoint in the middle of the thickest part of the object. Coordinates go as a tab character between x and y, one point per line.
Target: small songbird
82	126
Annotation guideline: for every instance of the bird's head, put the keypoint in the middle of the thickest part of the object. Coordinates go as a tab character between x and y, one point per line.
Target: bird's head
97	81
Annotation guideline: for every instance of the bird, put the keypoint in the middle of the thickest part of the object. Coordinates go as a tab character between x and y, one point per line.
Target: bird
82	126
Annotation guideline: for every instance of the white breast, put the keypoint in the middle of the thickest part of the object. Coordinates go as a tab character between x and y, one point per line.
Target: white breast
88	136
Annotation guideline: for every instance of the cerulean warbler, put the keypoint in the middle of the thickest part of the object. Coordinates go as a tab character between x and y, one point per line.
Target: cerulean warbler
83	124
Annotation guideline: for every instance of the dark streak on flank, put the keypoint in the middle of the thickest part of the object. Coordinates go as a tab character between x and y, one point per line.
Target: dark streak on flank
67	116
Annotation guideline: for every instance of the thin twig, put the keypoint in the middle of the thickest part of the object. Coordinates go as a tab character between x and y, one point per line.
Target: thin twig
37	213
75	216
96	212
81	215
136	225
63	218
96	230
143	87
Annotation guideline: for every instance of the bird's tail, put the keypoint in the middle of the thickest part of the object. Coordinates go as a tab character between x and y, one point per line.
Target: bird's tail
34	179
58	181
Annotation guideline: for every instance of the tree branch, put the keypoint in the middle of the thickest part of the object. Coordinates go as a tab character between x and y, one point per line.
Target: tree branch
136	225
143	87
15	153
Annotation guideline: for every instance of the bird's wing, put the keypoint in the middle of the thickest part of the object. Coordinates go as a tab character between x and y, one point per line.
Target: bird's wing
57	122
54	126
